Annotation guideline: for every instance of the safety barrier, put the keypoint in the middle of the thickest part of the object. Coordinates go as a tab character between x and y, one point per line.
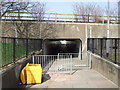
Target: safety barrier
63	62
54	63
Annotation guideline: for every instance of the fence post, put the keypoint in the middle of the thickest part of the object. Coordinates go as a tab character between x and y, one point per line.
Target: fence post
88	18
26	47
115	51
71	63
5	49
14	49
34	44
90	60
72	19
55	17
93	45
81	50
101	47
33	59
88	43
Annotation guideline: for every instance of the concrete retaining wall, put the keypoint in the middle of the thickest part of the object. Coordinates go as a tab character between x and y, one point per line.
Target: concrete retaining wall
70	30
84	31
11	76
106	68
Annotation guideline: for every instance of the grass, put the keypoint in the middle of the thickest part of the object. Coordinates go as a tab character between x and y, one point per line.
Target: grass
112	56
7	52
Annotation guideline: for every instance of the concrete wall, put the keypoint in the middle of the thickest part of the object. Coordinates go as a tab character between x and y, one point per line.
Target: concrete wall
106	68
11	76
84	31
71	30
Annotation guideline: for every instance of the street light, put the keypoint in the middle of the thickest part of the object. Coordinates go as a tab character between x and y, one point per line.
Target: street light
108	23
108	27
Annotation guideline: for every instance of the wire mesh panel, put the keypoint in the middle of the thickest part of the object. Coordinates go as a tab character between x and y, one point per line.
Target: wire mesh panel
13	49
108	48
118	51
34	45
7	51
20	48
54	63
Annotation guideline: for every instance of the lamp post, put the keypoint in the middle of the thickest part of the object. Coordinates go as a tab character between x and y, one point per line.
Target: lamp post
108	17
108	27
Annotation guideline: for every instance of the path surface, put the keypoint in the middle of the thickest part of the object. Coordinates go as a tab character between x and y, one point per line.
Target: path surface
80	79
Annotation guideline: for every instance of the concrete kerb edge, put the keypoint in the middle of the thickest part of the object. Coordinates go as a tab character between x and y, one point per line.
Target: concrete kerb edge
12	66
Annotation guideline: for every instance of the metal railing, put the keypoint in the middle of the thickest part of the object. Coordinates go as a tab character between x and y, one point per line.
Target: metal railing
54	63
13	49
78	55
80	60
57	17
108	48
63	62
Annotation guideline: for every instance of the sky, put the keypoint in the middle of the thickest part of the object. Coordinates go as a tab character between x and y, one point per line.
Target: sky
77	0
59	7
67	7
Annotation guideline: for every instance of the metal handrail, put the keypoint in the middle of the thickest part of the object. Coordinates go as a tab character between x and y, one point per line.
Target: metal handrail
58	17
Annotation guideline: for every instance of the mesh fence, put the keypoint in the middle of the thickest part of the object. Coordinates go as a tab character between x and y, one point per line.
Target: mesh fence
15	48
108	48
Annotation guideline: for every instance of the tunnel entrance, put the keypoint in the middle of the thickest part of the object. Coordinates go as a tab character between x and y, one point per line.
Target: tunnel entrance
62	56
55	46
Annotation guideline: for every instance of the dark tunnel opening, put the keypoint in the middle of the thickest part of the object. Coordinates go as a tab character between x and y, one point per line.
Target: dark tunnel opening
55	46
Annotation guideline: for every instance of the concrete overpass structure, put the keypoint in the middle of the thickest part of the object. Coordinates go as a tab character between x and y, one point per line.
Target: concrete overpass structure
81	31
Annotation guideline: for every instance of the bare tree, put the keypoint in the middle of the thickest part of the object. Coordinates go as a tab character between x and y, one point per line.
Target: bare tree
27	28
8	9
79	9
48	31
93	11
12	9
112	11
21	28
13	6
85	10
38	10
98	13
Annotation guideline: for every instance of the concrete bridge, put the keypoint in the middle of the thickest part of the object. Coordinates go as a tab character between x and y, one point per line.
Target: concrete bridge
66	30
103	73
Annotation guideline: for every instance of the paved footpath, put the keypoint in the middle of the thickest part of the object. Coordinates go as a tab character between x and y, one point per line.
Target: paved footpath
80	79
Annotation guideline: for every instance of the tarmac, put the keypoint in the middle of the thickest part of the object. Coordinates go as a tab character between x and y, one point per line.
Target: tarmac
79	79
